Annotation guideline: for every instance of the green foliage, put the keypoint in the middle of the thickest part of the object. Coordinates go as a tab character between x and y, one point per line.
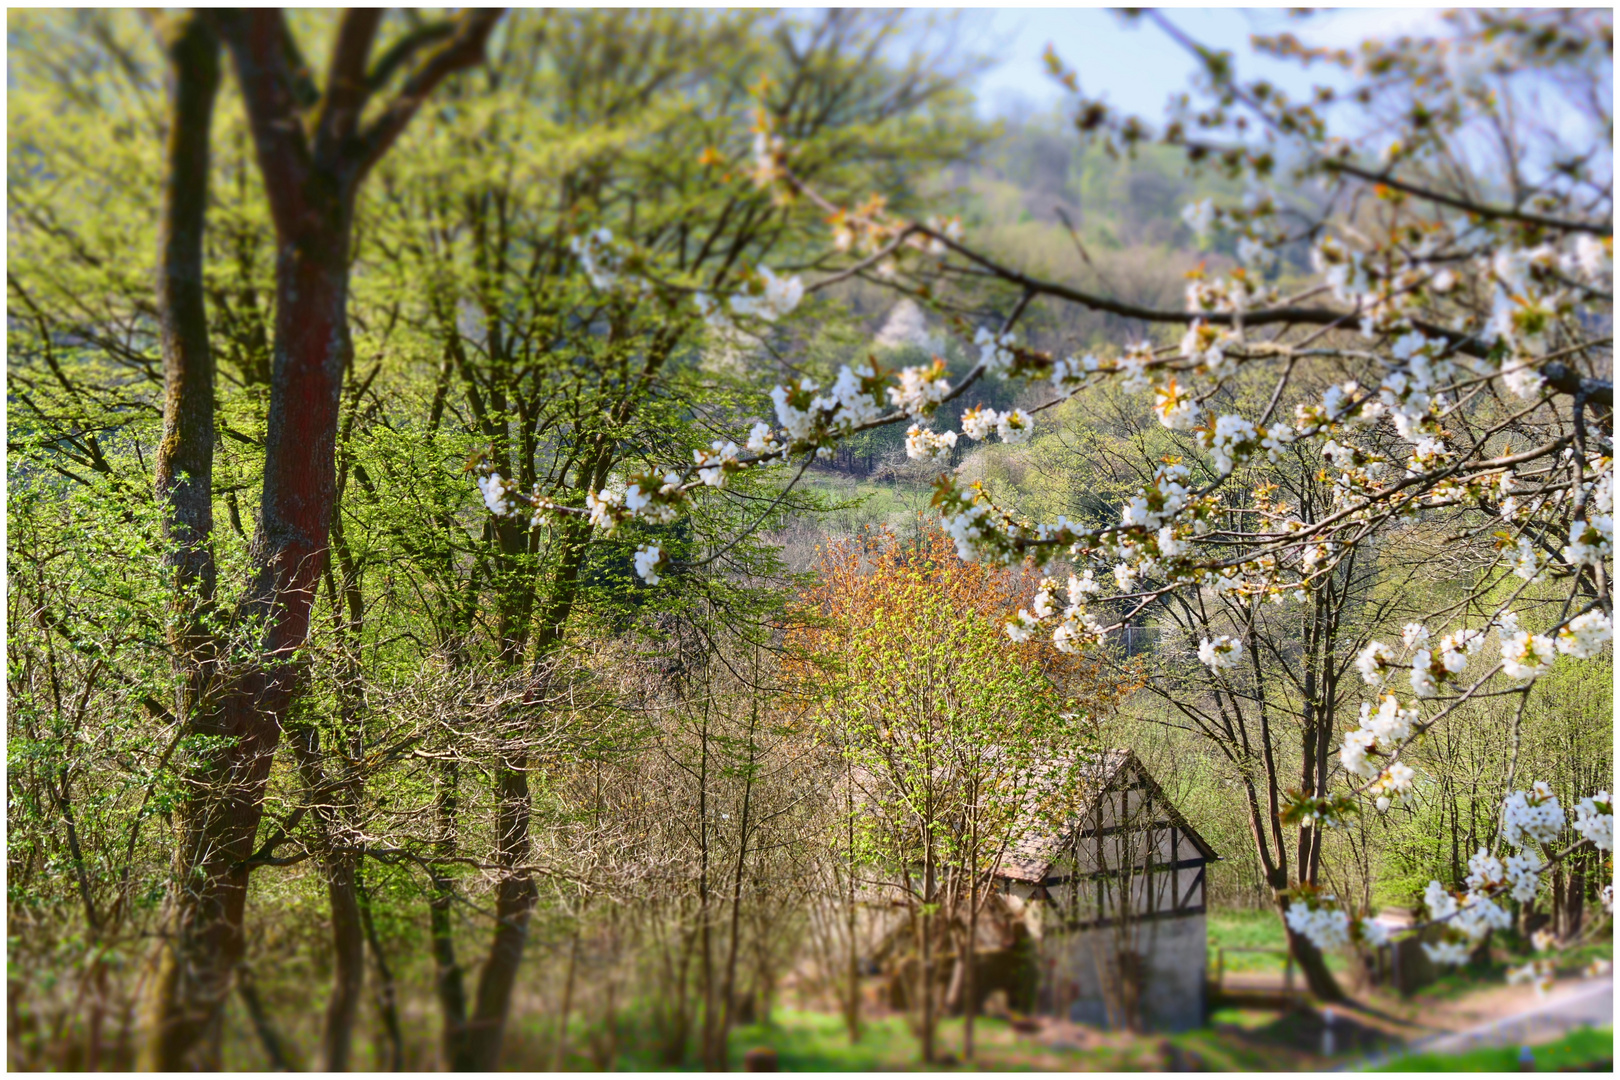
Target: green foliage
1581	1050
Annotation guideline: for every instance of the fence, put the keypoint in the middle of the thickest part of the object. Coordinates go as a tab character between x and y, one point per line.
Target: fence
1220	964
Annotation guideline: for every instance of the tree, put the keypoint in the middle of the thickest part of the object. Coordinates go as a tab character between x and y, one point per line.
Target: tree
1478	327
311	179
943	732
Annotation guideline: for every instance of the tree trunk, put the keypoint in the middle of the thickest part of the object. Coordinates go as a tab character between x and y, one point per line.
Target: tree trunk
447	983
348	953
338	867
310	184
387	988
927	991
515	897
1311	963
182	1012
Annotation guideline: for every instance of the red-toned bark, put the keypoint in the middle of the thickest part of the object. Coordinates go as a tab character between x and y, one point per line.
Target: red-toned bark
311	183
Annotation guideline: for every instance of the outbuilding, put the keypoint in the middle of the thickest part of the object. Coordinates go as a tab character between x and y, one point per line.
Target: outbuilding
1115	885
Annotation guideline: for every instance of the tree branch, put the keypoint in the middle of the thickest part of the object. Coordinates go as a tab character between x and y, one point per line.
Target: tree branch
464	49
1495	213
257	40
404	50
346	86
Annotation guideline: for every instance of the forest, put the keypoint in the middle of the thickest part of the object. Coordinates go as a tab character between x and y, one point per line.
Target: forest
550	539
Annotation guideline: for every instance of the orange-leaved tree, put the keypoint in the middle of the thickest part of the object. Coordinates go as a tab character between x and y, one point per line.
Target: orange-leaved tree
946	729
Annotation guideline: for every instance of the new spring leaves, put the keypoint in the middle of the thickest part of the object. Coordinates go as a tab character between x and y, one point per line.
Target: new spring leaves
1429	366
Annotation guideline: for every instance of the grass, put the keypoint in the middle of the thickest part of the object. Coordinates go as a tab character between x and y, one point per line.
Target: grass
1582	1049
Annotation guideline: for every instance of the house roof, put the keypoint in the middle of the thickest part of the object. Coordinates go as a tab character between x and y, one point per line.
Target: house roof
1066	794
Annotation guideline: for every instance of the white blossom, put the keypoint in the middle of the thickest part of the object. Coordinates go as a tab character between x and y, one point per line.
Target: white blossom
776	297
1229	444
1484	872
925	445
1374	932
1015	426
995	351
1523	870
1534	815
1199	216
1326	928
1424	684
1220	654
648	558
1372	660
1594	820
497	491
1446	953
1585	635
920	388
1590	541
979	422
604	507
1353	753
1176	411
1526	655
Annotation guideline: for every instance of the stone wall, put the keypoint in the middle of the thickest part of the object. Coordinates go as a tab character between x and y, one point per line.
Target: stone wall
1175	958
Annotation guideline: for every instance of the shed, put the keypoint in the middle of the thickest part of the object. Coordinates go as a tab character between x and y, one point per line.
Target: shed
1118	878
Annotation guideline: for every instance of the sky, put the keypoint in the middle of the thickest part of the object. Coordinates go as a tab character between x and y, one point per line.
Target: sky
1136	67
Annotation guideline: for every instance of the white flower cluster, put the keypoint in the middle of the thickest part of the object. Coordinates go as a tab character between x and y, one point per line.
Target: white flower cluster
1069	373
1372	661
1076	626
920	389
1327	928
1221	654
1469	919
1233	440
1526	655
1590	541
995	351
715	463
1594	820
925	445
1205	346
497	493
597	258
769	297
1176	410
1014	426
1532	816
1585	635
1373	932
1200	217
648	559
1523	872
1384	730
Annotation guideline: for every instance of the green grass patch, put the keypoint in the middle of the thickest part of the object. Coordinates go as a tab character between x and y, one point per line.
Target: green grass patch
819	1042
1588	1048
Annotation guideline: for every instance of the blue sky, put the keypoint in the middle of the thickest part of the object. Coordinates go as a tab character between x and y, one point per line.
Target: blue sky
1137	67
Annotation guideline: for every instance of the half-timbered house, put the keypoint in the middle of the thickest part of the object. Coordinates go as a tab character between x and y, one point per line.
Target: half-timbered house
1117	875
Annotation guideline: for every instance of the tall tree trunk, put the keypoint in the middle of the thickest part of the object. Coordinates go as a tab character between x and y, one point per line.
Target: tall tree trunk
515	897
182	1012
339	868
387	988
310	181
448	983
852	915
516	893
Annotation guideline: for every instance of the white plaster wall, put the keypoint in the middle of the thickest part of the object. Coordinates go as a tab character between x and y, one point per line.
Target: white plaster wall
1176	952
